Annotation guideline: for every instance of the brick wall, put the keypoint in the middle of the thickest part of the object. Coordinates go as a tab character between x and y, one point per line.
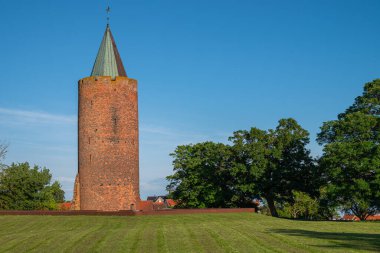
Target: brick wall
132	213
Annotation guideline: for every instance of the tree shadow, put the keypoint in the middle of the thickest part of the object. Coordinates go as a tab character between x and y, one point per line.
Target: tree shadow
360	241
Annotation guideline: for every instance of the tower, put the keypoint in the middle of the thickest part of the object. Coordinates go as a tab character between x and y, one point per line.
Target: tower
108	146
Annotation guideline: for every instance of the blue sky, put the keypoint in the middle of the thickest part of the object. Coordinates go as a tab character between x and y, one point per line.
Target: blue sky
205	69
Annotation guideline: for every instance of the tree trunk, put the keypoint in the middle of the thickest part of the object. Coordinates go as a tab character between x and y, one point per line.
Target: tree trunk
271	206
362	215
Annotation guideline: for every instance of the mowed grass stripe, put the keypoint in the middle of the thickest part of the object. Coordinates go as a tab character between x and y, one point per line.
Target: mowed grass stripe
255	239
161	239
37	236
277	240
31	232
217	233
41	238
78	242
132	238
270	242
58	237
102	240
118	236
290	244
250	227
67	238
11	226
241	224
93	242
9	233
241	241
307	235
201	238
178	237
148	242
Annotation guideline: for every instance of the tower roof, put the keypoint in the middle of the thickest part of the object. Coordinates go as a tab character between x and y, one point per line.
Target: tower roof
108	61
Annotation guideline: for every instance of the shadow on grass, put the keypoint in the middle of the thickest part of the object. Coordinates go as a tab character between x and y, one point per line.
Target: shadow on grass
370	242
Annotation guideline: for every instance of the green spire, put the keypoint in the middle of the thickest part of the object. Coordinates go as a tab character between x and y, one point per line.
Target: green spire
108	61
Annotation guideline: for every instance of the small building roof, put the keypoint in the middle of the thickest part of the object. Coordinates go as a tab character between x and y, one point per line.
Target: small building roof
154	198
171	202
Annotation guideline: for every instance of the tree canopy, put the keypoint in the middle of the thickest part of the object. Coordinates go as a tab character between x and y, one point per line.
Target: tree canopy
26	188
201	175
351	156
265	164
273	163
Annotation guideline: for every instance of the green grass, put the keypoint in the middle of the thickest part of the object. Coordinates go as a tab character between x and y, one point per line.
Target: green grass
242	232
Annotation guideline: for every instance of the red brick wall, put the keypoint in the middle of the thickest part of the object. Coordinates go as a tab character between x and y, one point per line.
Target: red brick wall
108	147
131	213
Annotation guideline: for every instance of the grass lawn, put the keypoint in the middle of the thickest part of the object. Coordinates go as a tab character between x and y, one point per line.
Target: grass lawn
235	232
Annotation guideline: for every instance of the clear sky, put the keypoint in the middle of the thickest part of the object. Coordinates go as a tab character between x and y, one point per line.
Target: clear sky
205	69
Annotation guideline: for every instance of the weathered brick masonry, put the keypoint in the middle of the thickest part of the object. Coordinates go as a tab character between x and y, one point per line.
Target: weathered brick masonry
108	144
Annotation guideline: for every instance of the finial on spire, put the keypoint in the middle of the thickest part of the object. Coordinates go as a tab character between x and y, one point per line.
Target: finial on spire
108	10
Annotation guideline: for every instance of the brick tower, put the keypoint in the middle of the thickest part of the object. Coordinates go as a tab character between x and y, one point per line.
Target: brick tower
108	144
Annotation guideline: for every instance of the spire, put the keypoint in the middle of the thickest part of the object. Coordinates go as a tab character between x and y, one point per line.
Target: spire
108	61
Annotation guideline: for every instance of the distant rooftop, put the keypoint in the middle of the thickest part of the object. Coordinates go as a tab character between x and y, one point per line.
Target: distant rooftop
108	61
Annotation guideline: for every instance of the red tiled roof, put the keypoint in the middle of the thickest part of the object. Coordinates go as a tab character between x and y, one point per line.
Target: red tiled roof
354	218
374	217
171	202
350	217
146	205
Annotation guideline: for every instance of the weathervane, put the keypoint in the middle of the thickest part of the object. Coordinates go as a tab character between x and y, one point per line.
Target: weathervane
108	10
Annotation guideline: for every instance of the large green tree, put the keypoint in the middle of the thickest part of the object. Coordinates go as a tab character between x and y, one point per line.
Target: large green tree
273	163
26	188
259	164
352	154
201	175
